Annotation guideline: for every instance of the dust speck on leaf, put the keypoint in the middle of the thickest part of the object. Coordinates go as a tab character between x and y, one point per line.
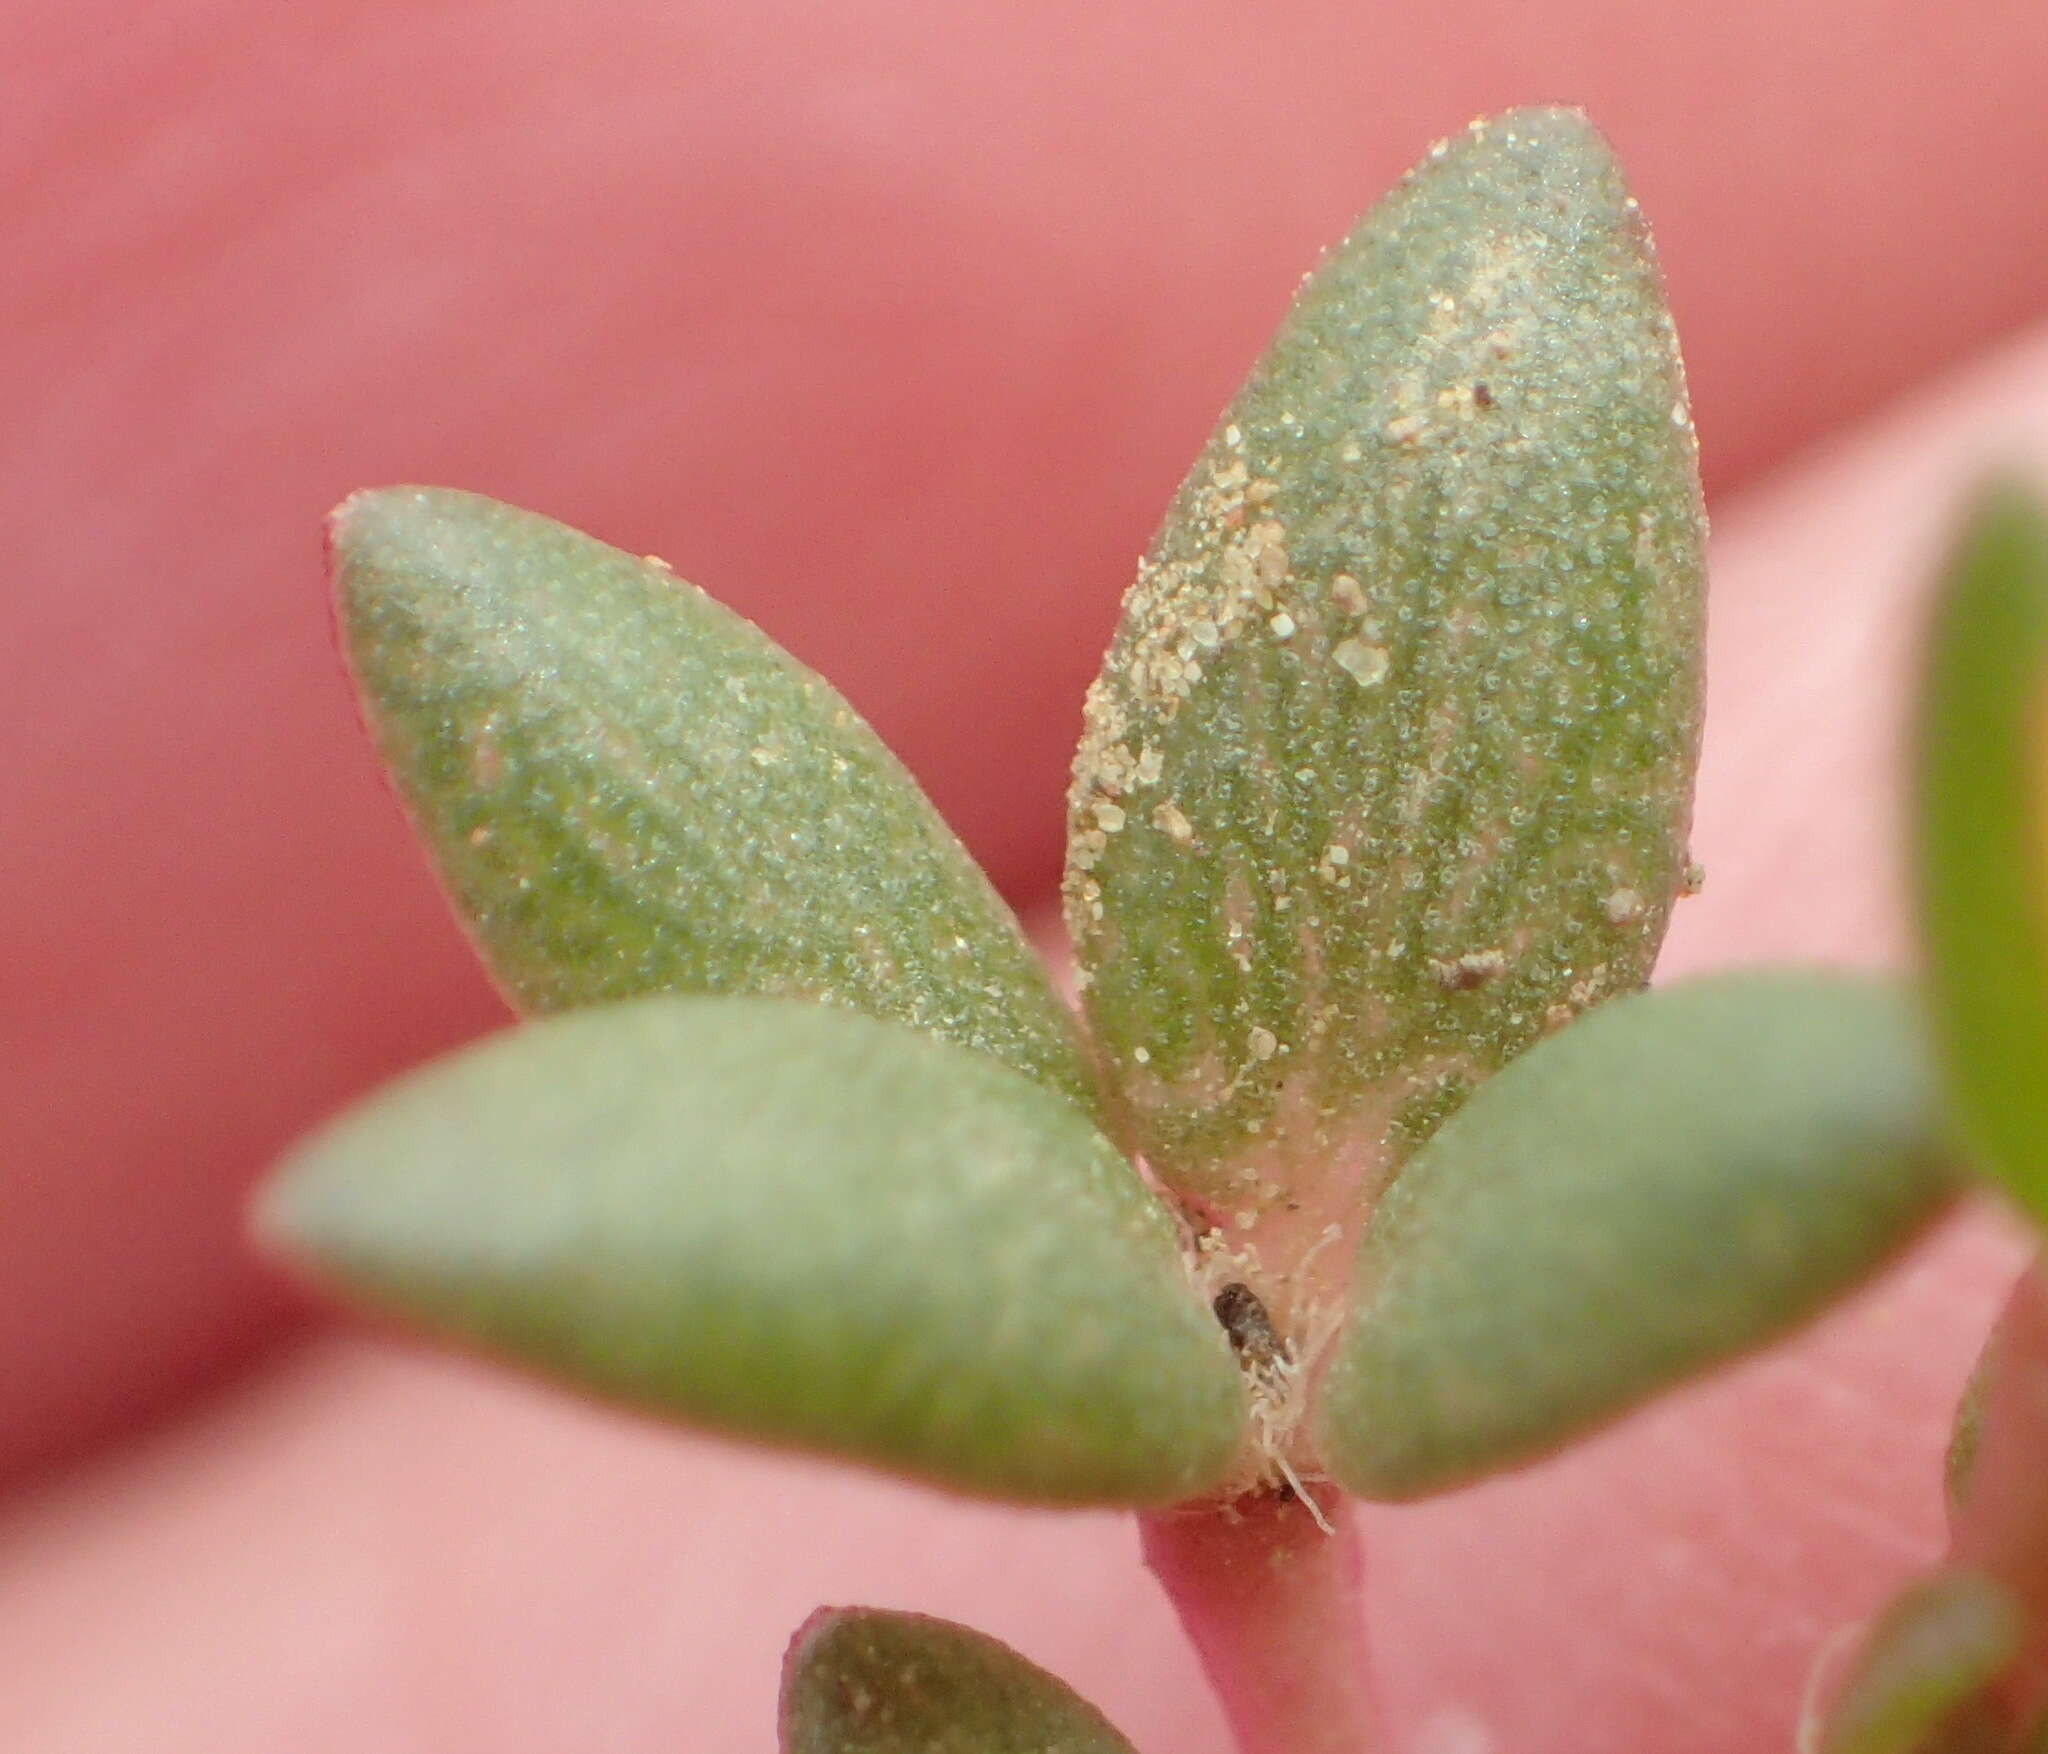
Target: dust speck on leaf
1366	665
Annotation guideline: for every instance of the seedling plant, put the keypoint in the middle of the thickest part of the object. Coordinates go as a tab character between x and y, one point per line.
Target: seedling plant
1367	1167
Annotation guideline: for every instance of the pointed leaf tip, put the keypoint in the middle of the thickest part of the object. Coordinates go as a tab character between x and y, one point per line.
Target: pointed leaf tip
864	1681
1389	768
1982	839
792	1223
629	789
1675	1179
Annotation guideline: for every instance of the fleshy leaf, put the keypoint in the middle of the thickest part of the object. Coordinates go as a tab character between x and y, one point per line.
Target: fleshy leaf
862	1681
1673	1180
1388	770
1934	1649
629	789
1983	838
788	1222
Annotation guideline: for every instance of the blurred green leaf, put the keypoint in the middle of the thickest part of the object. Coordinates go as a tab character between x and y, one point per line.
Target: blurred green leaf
1671	1181
1935	1648
861	1681
1389	768
629	789
788	1222
1983	833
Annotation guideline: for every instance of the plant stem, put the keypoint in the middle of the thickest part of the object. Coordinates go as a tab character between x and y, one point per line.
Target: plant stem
1274	1605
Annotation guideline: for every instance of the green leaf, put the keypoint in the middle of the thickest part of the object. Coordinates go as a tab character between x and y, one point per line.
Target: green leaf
1933	1650
1388	771
792	1223
1983	833
629	789
861	1681
1675	1179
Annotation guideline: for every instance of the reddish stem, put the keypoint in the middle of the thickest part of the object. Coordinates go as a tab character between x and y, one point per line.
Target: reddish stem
1275	1607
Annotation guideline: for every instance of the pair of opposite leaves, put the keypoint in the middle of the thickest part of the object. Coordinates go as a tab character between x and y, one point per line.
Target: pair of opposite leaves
1386	779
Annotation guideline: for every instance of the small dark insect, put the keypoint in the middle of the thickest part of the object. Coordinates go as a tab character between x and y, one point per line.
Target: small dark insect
1244	1319
1482	397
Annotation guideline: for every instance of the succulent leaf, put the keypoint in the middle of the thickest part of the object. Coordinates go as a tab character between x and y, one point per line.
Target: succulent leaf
1983	837
862	1681
1933	1650
629	789
792	1223
1388	771
1672	1181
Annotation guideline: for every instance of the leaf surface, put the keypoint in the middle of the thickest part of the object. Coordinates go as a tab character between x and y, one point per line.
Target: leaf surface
787	1222
629	789
862	1681
1983	837
1670	1182
1931	1652
1389	768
